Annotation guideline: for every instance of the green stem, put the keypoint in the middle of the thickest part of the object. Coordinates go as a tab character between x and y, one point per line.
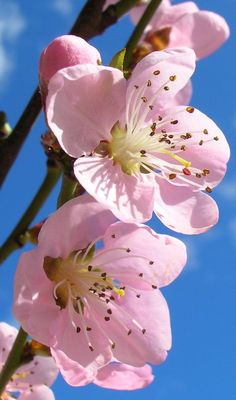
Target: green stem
14	360
13	241
138	31
67	192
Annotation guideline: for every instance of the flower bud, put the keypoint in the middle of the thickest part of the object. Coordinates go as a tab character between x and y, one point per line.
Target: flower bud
64	51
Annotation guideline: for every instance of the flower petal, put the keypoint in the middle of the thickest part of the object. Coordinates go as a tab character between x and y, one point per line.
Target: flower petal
149	254
42	370
128	199
7	337
40	392
184	211
206	147
73	373
34	305
190	31
155	80
62	52
83	104
137	338
76	344
82	214
124	377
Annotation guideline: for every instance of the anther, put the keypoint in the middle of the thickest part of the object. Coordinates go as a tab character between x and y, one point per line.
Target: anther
91	348
153	126
205	172
113	236
183	148
128	250
171	176
174	122
136	86
198	175
129	332
205	131
186	171
90	268
200	143
151	262
107	318
149	83
208	189
151	107
216	138
172	78
138	296
190	110
88	329
154	286
143	151
104	274
141	275
143	331
157	72
144	99
166	88
109	311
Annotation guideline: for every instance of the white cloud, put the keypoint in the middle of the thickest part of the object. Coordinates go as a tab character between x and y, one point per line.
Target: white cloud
64	7
12	23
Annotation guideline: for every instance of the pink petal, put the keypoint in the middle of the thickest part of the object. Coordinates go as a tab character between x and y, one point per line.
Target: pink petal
7	337
62	52
155	80
76	345
34	305
73	373
42	370
124	377
83	104
61	233
183	97
40	392
128	199
190	31
208	150
185	211
137	338
158	266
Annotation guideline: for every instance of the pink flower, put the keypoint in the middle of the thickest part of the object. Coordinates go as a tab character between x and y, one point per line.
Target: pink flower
92	305
65	51
32	379
183	25
136	153
114	375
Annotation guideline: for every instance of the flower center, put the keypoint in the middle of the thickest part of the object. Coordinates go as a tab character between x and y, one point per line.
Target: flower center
75	279
159	40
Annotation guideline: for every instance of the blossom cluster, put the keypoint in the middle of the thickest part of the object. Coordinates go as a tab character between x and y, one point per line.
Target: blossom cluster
90	290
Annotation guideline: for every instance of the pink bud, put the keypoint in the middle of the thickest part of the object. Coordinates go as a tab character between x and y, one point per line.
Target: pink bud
63	52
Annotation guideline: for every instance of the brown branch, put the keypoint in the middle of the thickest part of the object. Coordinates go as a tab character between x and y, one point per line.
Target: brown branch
90	22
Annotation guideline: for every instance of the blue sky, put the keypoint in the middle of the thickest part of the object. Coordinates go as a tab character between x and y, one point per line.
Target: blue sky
201	364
